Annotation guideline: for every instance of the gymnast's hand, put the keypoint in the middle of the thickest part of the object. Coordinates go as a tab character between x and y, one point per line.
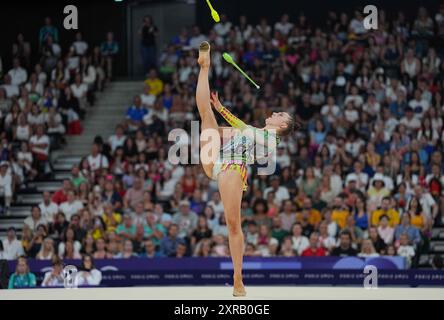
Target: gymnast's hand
214	99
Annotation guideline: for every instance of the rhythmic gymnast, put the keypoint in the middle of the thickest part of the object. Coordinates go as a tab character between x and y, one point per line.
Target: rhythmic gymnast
227	164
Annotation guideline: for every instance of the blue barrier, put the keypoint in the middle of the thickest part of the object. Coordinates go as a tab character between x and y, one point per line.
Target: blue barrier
257	271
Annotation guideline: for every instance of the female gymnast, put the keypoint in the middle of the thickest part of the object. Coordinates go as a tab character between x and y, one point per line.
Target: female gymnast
226	162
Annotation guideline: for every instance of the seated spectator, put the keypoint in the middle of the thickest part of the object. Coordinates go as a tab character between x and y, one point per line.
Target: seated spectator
360	214
325	239
169	242
150	250
58	226
12	247
344	249
181	250
134	195
17	73
48	208
202	231
280	192
11	90
314	250
47	251
61	195
109	49
135	114
331	111
139	215
96	160
265	241
185	219
88	244
378	243
359	176
71	206
287	247
387	210
428	204
405	249
376	192
110	218
203	248
410	121
100	249
153	228
35	219
367	249
68	239
405	227
117	139
287	216
384	230
127	251
300	242
22	277
148	99
277	231
88	275
197	204
220	248
6	191
127	229
417	217
340	212
39	144
54	278
313	215
260	208
356	233
309	183
252	233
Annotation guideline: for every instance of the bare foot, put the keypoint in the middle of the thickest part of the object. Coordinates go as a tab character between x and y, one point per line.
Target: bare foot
238	287
204	55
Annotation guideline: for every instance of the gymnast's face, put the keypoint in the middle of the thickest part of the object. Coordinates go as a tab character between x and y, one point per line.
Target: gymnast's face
279	120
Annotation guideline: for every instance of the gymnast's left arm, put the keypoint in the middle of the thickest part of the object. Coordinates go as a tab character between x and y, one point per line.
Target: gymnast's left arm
264	137
233	121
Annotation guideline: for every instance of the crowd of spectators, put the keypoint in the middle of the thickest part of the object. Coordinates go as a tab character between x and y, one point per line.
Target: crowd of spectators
363	177
44	96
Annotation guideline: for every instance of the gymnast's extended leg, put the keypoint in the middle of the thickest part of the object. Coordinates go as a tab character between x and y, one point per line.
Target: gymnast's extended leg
209	140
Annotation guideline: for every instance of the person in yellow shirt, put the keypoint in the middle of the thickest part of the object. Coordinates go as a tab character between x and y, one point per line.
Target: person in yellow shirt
314	216
387	210
154	83
417	216
110	218
340	212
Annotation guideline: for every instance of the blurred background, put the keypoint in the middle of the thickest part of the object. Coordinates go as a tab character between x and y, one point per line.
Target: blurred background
85	116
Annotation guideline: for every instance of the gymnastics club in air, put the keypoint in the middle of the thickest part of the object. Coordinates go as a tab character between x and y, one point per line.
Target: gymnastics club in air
230	60
214	13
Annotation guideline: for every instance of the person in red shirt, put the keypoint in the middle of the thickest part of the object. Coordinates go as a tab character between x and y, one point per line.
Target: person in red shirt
314	250
61	195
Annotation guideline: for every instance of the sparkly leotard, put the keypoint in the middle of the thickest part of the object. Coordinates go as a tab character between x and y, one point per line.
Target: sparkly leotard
242	148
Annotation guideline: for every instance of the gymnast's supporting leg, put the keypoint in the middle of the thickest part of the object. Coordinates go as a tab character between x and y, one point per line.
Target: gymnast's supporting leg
231	189
209	141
